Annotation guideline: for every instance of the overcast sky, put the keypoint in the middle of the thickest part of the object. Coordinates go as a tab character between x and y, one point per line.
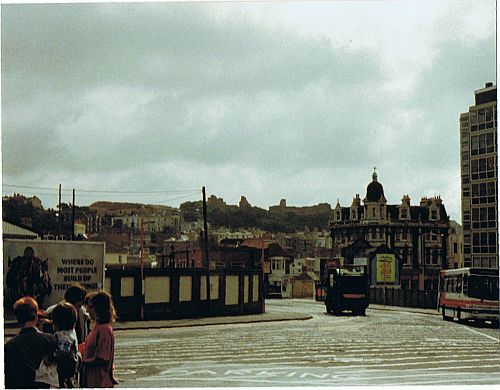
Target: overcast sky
295	100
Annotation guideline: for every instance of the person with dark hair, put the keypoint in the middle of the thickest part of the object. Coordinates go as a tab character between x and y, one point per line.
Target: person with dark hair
75	295
64	318
25	352
66	356
60	369
99	351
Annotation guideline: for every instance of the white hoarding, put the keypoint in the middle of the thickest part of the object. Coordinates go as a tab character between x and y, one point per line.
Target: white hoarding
360	261
67	262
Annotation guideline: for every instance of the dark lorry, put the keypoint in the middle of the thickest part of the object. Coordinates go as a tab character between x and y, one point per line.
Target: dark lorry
347	288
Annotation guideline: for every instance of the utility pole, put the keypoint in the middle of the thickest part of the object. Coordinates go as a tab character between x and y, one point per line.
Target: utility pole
142	268
205	245
73	217
263	275
60	215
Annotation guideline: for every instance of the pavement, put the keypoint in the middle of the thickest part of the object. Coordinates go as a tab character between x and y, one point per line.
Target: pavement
10	325
434	312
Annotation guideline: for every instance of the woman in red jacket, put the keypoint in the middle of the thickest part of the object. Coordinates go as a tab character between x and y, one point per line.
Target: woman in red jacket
100	343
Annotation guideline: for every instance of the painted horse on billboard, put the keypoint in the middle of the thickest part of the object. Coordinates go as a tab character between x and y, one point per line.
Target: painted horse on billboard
28	276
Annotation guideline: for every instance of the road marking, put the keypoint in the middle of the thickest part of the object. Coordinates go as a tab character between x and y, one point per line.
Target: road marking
325	379
450	381
326	352
482	334
125	371
334	360
326	373
132	343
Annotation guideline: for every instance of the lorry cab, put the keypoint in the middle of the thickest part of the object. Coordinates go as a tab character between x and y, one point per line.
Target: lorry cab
347	290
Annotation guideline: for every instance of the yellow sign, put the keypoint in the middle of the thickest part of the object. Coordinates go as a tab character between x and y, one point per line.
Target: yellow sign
386	268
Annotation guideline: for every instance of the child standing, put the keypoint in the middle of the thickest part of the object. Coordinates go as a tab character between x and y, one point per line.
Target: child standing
61	367
64	318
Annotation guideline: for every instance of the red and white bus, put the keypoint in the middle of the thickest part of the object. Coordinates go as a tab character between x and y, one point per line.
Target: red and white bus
469	294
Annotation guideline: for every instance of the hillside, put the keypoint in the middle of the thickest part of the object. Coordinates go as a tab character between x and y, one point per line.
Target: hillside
103	207
277	219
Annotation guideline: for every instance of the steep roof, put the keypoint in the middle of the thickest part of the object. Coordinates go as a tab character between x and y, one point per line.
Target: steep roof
419	213
392	211
374	190
14	231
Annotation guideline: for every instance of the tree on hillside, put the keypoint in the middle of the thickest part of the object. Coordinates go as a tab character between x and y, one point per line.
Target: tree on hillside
191	211
17	212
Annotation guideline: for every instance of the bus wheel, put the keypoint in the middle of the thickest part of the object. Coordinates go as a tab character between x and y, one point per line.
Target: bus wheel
445	317
460	319
362	312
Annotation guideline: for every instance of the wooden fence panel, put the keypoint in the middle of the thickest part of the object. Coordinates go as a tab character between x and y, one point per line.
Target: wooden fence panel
184	298
405	298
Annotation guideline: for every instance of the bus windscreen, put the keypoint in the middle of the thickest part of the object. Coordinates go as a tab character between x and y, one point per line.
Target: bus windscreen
483	287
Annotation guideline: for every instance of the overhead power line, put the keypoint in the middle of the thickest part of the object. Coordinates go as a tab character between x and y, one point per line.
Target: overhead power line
176	198
89	191
28	187
136	192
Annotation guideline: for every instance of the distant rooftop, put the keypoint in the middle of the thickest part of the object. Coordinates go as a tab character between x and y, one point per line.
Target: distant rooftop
13	231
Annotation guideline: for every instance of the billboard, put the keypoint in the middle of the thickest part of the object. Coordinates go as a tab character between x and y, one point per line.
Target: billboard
360	261
45	269
386	268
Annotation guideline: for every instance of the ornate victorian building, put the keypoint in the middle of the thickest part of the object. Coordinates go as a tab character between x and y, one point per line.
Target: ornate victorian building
416	234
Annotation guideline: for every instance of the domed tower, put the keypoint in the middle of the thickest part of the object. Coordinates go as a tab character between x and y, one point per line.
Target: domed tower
375	202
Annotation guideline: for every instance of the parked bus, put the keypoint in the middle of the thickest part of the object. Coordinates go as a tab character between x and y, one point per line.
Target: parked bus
347	288
469	294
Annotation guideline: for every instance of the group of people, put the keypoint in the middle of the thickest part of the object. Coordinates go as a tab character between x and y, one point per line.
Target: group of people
69	345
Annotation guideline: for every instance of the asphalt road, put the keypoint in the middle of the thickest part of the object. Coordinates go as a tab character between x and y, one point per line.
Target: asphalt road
383	348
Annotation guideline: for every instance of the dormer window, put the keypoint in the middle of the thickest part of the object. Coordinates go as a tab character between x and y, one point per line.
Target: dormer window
433	215
338	215
404	214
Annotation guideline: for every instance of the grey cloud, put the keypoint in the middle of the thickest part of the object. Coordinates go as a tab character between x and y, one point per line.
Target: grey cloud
80	45
30	150
78	48
442	92
168	93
